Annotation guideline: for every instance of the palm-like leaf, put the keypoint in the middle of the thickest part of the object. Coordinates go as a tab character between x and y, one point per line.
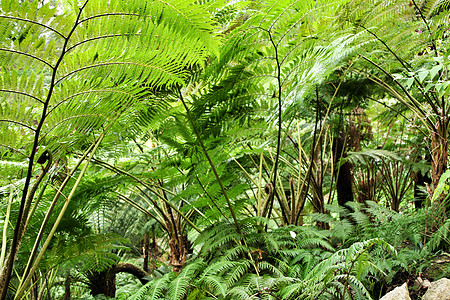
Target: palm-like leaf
73	69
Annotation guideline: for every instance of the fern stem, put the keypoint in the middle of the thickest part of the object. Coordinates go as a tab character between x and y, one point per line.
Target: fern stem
415	104
150	188
34	22
141	209
29	55
313	151
5	227
13	149
351	267
107	15
277	155
175	232
210	198
433	42
22	93
36	202
58	220
407	67
5	277
99	38
50	210
230	207
18	123
109	90
111	64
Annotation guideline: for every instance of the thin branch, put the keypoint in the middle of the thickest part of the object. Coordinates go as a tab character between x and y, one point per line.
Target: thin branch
13	149
22	93
277	155
18	123
36	23
106	15
219	181
98	38
111	64
29	55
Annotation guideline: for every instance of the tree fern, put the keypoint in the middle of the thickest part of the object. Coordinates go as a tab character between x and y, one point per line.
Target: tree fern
64	65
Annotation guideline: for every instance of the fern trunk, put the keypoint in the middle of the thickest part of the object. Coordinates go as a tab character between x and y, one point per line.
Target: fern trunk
439	146
439	153
67	294
344	176
420	184
104	282
145	252
179	248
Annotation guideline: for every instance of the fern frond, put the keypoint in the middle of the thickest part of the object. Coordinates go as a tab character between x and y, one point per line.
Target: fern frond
214	284
237	272
178	288
154	289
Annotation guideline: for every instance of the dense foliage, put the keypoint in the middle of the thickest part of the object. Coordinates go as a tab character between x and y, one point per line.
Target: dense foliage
222	149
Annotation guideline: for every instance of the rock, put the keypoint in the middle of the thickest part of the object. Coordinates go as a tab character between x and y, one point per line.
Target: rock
426	283
399	293
420	283
439	290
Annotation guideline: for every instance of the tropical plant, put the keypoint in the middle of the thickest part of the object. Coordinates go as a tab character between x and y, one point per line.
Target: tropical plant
247	140
72	72
414	42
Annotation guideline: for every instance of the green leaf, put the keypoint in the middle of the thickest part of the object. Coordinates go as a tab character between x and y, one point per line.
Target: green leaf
441	185
409	82
428	86
439	59
435	70
422	75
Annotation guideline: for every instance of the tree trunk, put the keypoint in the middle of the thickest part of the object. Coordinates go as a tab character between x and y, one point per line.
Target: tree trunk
439	146
178	252
145	252
344	176
420	194
139	273
67	295
318	200
104	282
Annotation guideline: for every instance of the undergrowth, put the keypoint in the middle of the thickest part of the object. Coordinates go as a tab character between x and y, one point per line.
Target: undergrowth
363	252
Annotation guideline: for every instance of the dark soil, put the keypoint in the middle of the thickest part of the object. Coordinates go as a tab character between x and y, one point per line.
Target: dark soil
439	268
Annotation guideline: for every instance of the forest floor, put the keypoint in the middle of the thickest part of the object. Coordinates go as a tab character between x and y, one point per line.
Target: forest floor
439	268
